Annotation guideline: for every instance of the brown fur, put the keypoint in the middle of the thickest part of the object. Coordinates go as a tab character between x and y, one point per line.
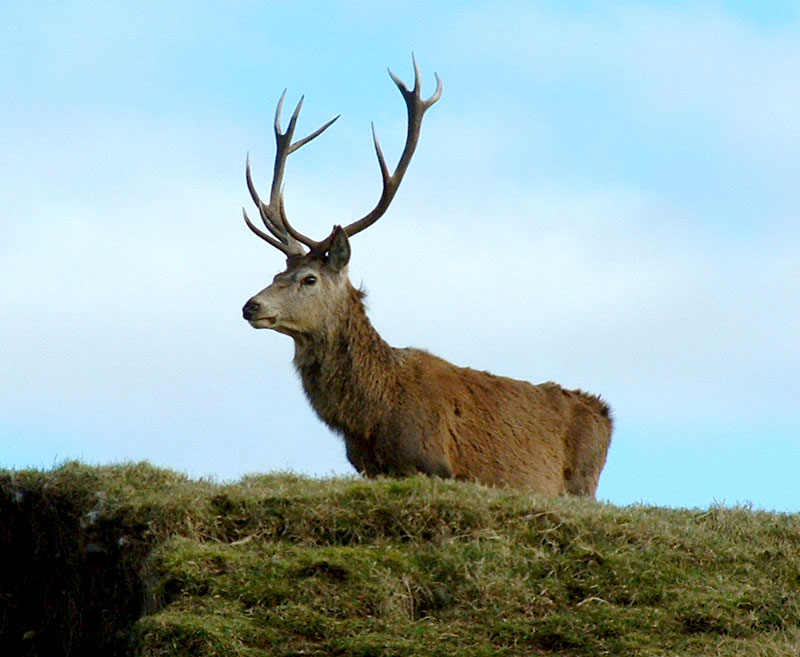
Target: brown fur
404	411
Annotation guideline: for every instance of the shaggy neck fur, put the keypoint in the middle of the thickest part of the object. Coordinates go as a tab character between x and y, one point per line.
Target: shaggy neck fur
348	371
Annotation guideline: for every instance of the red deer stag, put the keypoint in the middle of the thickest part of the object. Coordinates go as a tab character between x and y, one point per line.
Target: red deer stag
405	411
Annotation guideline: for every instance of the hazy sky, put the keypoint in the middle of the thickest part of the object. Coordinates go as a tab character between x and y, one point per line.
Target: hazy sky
607	196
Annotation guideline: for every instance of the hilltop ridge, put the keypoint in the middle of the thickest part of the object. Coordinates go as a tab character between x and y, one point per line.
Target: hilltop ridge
134	560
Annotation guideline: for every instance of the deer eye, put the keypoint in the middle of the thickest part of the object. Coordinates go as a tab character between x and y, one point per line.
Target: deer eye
309	280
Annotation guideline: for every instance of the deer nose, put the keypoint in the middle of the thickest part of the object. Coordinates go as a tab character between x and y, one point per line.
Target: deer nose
250	309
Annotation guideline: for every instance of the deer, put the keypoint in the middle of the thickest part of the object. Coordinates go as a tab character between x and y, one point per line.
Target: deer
405	411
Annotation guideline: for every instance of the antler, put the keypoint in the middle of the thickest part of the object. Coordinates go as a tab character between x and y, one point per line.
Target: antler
416	109
284	236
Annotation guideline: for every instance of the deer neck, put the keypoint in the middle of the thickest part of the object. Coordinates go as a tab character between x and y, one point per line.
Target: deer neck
348	371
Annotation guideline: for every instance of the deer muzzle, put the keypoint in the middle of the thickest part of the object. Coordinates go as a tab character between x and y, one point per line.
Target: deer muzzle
250	309
253	311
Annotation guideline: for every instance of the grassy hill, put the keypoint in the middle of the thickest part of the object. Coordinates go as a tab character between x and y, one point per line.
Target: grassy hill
135	560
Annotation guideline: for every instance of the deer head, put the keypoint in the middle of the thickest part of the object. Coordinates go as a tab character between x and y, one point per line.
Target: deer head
309	290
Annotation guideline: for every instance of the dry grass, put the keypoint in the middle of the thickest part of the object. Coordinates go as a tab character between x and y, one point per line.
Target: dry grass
284	565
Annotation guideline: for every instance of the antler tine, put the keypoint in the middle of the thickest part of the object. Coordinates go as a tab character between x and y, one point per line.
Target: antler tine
264	236
416	106
276	230
283	145
286	238
313	135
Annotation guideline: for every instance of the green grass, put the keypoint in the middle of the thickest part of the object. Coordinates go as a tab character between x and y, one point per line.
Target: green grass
135	560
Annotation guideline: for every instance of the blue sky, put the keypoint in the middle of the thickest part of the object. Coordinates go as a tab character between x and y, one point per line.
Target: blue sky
606	196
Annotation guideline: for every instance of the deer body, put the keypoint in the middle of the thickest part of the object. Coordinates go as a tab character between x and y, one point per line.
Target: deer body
406	411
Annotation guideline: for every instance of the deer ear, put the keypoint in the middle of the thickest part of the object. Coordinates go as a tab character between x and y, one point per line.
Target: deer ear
339	251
